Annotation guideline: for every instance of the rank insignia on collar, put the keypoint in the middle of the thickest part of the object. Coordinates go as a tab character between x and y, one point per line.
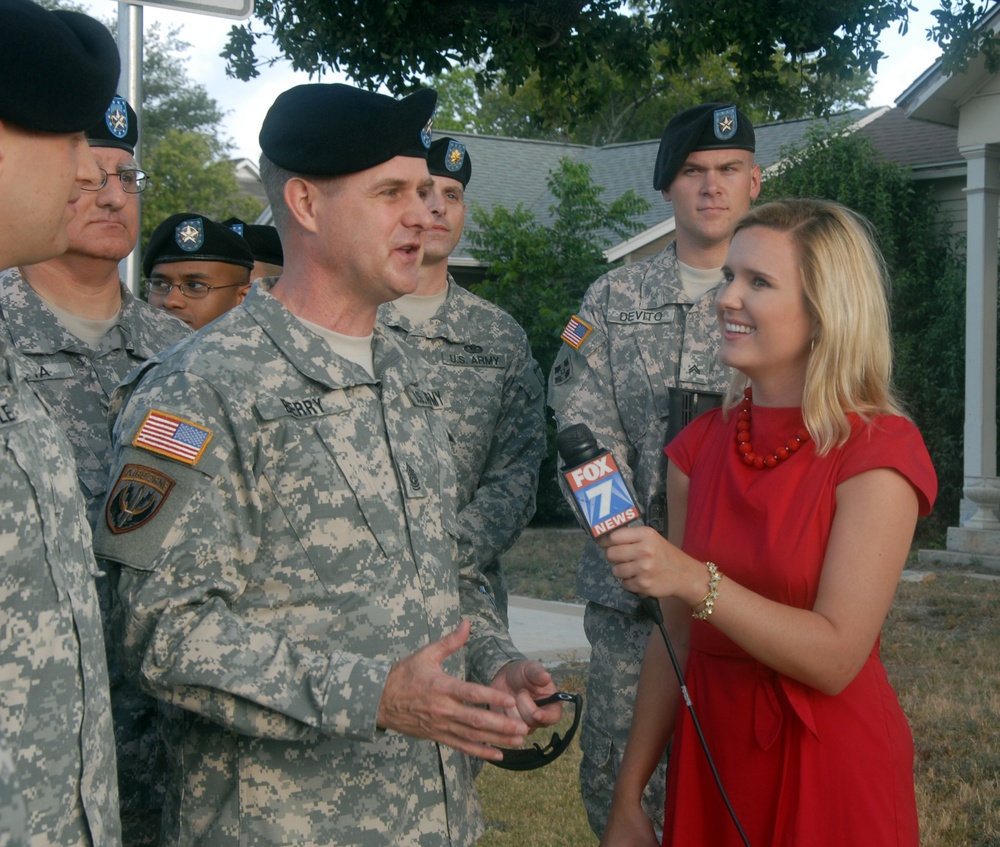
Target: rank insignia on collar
725	123
116	117
455	156
190	234
137	496
172	437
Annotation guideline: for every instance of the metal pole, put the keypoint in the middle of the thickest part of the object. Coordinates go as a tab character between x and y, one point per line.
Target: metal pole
130	48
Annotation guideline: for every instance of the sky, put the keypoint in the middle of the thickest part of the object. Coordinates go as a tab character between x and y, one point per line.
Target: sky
247	102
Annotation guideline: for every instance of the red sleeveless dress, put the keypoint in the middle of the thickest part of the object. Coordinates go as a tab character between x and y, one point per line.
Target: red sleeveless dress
800	767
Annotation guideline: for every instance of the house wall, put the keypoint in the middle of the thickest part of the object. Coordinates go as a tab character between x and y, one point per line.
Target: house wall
979	116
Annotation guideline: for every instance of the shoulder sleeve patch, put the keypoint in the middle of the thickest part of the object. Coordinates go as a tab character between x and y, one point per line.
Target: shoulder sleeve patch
138	494
576	332
562	370
173	437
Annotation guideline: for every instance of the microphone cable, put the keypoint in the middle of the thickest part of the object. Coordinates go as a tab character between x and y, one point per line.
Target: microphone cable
652	609
605	500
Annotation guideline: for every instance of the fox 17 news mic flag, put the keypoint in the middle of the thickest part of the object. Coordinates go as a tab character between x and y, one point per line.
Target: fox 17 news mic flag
603	498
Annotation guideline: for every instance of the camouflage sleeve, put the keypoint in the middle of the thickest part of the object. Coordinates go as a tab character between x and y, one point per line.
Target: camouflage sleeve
504	500
490	646
582	390
185	572
581	386
13	818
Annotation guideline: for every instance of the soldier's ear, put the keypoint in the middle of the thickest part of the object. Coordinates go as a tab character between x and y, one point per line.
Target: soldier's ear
301	196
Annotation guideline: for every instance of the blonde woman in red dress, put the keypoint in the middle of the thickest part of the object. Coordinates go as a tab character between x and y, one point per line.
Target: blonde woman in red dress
791	515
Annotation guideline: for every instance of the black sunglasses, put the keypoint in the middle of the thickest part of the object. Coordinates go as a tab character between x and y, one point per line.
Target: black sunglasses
536	756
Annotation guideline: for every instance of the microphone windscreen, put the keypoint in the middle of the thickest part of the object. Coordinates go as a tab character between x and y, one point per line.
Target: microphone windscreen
576	444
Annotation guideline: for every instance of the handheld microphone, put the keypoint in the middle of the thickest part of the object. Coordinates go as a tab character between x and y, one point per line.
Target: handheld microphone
605	501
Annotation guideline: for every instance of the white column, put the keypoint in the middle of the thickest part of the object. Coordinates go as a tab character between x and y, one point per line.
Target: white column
982	488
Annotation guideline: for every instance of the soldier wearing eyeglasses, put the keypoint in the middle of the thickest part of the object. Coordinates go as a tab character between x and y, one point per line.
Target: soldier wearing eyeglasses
58	783
196	269
81	332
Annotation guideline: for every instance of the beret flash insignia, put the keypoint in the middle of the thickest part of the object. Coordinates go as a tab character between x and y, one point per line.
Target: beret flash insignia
426	134
455	156
116	117
725	123
190	234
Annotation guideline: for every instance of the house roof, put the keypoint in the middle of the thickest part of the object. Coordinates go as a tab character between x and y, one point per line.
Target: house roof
914	144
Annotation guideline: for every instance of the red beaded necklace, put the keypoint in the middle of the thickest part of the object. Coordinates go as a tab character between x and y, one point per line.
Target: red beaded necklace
767	460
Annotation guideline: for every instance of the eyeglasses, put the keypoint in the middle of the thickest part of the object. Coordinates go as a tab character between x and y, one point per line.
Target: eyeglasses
133	181
192	290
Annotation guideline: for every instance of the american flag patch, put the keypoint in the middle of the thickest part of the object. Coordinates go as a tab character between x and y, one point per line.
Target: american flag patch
173	437
575	333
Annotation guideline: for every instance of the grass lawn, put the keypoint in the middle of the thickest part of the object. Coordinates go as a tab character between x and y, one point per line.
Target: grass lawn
940	645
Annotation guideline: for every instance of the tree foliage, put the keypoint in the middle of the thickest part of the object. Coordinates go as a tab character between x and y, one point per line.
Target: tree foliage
620	111
170	98
539	273
562	41
960	37
927	273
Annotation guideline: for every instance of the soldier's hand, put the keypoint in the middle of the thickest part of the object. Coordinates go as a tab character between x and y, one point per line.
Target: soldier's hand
422	701
529	681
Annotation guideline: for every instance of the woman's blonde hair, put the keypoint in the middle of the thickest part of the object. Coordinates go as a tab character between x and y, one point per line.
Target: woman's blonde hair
845	285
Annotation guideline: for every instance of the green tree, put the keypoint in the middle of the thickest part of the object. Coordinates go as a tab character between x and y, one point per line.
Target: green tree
618	110
540	273
927	272
398	44
170	98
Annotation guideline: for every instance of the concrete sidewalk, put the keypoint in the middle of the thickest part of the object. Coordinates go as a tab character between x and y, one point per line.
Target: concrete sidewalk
547	631
553	632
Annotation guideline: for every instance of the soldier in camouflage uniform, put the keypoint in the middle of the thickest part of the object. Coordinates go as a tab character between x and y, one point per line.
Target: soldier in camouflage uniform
54	702
494	396
13	818
58	783
265	244
644	331
196	269
74	319
82	332
284	510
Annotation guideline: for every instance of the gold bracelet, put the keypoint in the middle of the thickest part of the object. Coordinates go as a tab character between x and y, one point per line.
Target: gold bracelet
708	602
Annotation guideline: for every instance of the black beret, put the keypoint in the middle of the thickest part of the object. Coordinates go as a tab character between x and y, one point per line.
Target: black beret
448	157
189	236
328	129
264	242
118	128
59	69
710	126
